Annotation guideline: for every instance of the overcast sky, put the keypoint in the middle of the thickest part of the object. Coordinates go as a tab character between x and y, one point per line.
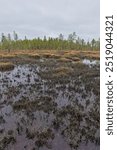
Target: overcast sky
36	18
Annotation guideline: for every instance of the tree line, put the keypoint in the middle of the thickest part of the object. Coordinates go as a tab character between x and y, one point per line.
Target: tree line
73	42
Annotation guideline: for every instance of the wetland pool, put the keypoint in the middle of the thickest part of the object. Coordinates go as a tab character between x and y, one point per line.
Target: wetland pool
44	107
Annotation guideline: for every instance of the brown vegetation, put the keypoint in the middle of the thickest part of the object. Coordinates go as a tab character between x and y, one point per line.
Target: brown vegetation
5	66
65	54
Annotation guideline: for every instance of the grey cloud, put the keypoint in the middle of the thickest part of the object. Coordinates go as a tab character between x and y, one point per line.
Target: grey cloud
50	17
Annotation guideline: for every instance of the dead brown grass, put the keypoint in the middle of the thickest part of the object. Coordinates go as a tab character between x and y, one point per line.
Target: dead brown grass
61	71
6	66
65	60
64	55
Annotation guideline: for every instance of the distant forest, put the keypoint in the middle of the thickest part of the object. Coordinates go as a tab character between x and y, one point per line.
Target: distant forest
73	42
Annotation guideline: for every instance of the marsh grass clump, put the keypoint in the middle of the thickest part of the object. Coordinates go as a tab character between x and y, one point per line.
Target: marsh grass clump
4	142
29	134
44	103
90	55
71	123
64	60
50	55
73	59
56	123
70	117
2	120
34	56
10	132
7	56
61	71
6	66
46	54
92	73
56	74
44	137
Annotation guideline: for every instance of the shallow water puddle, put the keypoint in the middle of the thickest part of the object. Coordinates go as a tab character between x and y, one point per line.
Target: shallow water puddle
90	63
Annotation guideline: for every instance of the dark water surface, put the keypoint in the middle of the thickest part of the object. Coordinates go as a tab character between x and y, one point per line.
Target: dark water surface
54	113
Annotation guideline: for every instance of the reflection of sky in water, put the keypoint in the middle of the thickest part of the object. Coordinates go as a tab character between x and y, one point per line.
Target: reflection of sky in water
90	63
24	83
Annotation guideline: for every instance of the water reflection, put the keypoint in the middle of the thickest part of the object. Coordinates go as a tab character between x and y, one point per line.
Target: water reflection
36	113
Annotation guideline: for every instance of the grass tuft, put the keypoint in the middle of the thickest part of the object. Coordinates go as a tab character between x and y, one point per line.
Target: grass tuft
6	66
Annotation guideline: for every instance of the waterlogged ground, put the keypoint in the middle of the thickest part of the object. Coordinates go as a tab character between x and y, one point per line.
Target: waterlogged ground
50	103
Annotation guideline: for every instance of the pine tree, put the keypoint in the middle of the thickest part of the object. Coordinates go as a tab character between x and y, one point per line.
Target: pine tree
15	36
